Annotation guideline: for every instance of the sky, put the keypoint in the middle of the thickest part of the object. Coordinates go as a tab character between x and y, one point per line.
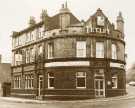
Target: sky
15	14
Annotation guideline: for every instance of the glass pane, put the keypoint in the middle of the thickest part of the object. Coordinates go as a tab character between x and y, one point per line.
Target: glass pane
101	84
101	93
51	82
80	82
96	85
97	93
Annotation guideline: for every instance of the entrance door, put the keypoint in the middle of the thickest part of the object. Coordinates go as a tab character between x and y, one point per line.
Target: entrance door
99	88
40	84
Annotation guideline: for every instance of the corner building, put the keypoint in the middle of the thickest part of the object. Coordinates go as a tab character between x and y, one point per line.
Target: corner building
61	57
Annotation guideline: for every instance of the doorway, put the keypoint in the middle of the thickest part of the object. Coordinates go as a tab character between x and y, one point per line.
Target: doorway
99	87
40	84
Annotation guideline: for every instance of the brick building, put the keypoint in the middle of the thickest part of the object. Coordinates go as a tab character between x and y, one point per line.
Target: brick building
5	78
62	57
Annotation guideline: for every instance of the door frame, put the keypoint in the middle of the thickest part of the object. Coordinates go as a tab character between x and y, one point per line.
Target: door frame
99	90
39	86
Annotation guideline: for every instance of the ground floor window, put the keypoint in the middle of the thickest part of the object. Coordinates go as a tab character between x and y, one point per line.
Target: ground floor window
29	81
81	80
114	81
17	81
50	80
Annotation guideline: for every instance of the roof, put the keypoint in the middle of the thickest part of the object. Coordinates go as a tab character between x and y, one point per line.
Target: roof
53	23
98	13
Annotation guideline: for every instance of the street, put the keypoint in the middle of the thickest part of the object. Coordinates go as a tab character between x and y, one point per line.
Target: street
121	103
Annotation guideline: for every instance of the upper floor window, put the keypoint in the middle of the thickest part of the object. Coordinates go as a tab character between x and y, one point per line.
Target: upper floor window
32	54
114	51
81	49
16	41
50	80
41	32
18	57
40	49
99	49
28	37
81	80
50	50
100	20
64	21
27	56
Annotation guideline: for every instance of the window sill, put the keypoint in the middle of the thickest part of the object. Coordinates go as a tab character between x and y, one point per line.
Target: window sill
80	87
51	88
114	87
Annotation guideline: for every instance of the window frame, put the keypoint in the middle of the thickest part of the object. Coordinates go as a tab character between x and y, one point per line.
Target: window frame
114	51
17	82
50	77
50	50
81	52
29	81
80	77
115	83
100	50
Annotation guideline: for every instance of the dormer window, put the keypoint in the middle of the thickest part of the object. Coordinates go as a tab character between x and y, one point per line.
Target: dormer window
100	21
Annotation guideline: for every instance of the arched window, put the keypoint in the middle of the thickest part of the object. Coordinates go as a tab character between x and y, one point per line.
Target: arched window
114	51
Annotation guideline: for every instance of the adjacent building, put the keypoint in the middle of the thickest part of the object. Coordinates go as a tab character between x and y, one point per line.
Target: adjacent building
5	78
63	57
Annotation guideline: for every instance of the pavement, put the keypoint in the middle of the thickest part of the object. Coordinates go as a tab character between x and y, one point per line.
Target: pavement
129	95
22	100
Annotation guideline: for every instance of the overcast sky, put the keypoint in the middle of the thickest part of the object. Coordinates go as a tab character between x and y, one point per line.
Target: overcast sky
14	16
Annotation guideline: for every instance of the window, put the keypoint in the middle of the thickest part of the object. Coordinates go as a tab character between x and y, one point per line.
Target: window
114	51
32	54
17	81
16	41
114	82
29	81
40	49
81	80
27	56
41	32
18	59
99	49
64	21
100	20
27	37
50	50
50	80
81	49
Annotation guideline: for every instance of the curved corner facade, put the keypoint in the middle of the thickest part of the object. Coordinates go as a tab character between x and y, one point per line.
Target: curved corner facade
62	57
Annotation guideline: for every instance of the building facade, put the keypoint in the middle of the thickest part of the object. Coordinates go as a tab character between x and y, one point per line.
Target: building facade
5	78
62	57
